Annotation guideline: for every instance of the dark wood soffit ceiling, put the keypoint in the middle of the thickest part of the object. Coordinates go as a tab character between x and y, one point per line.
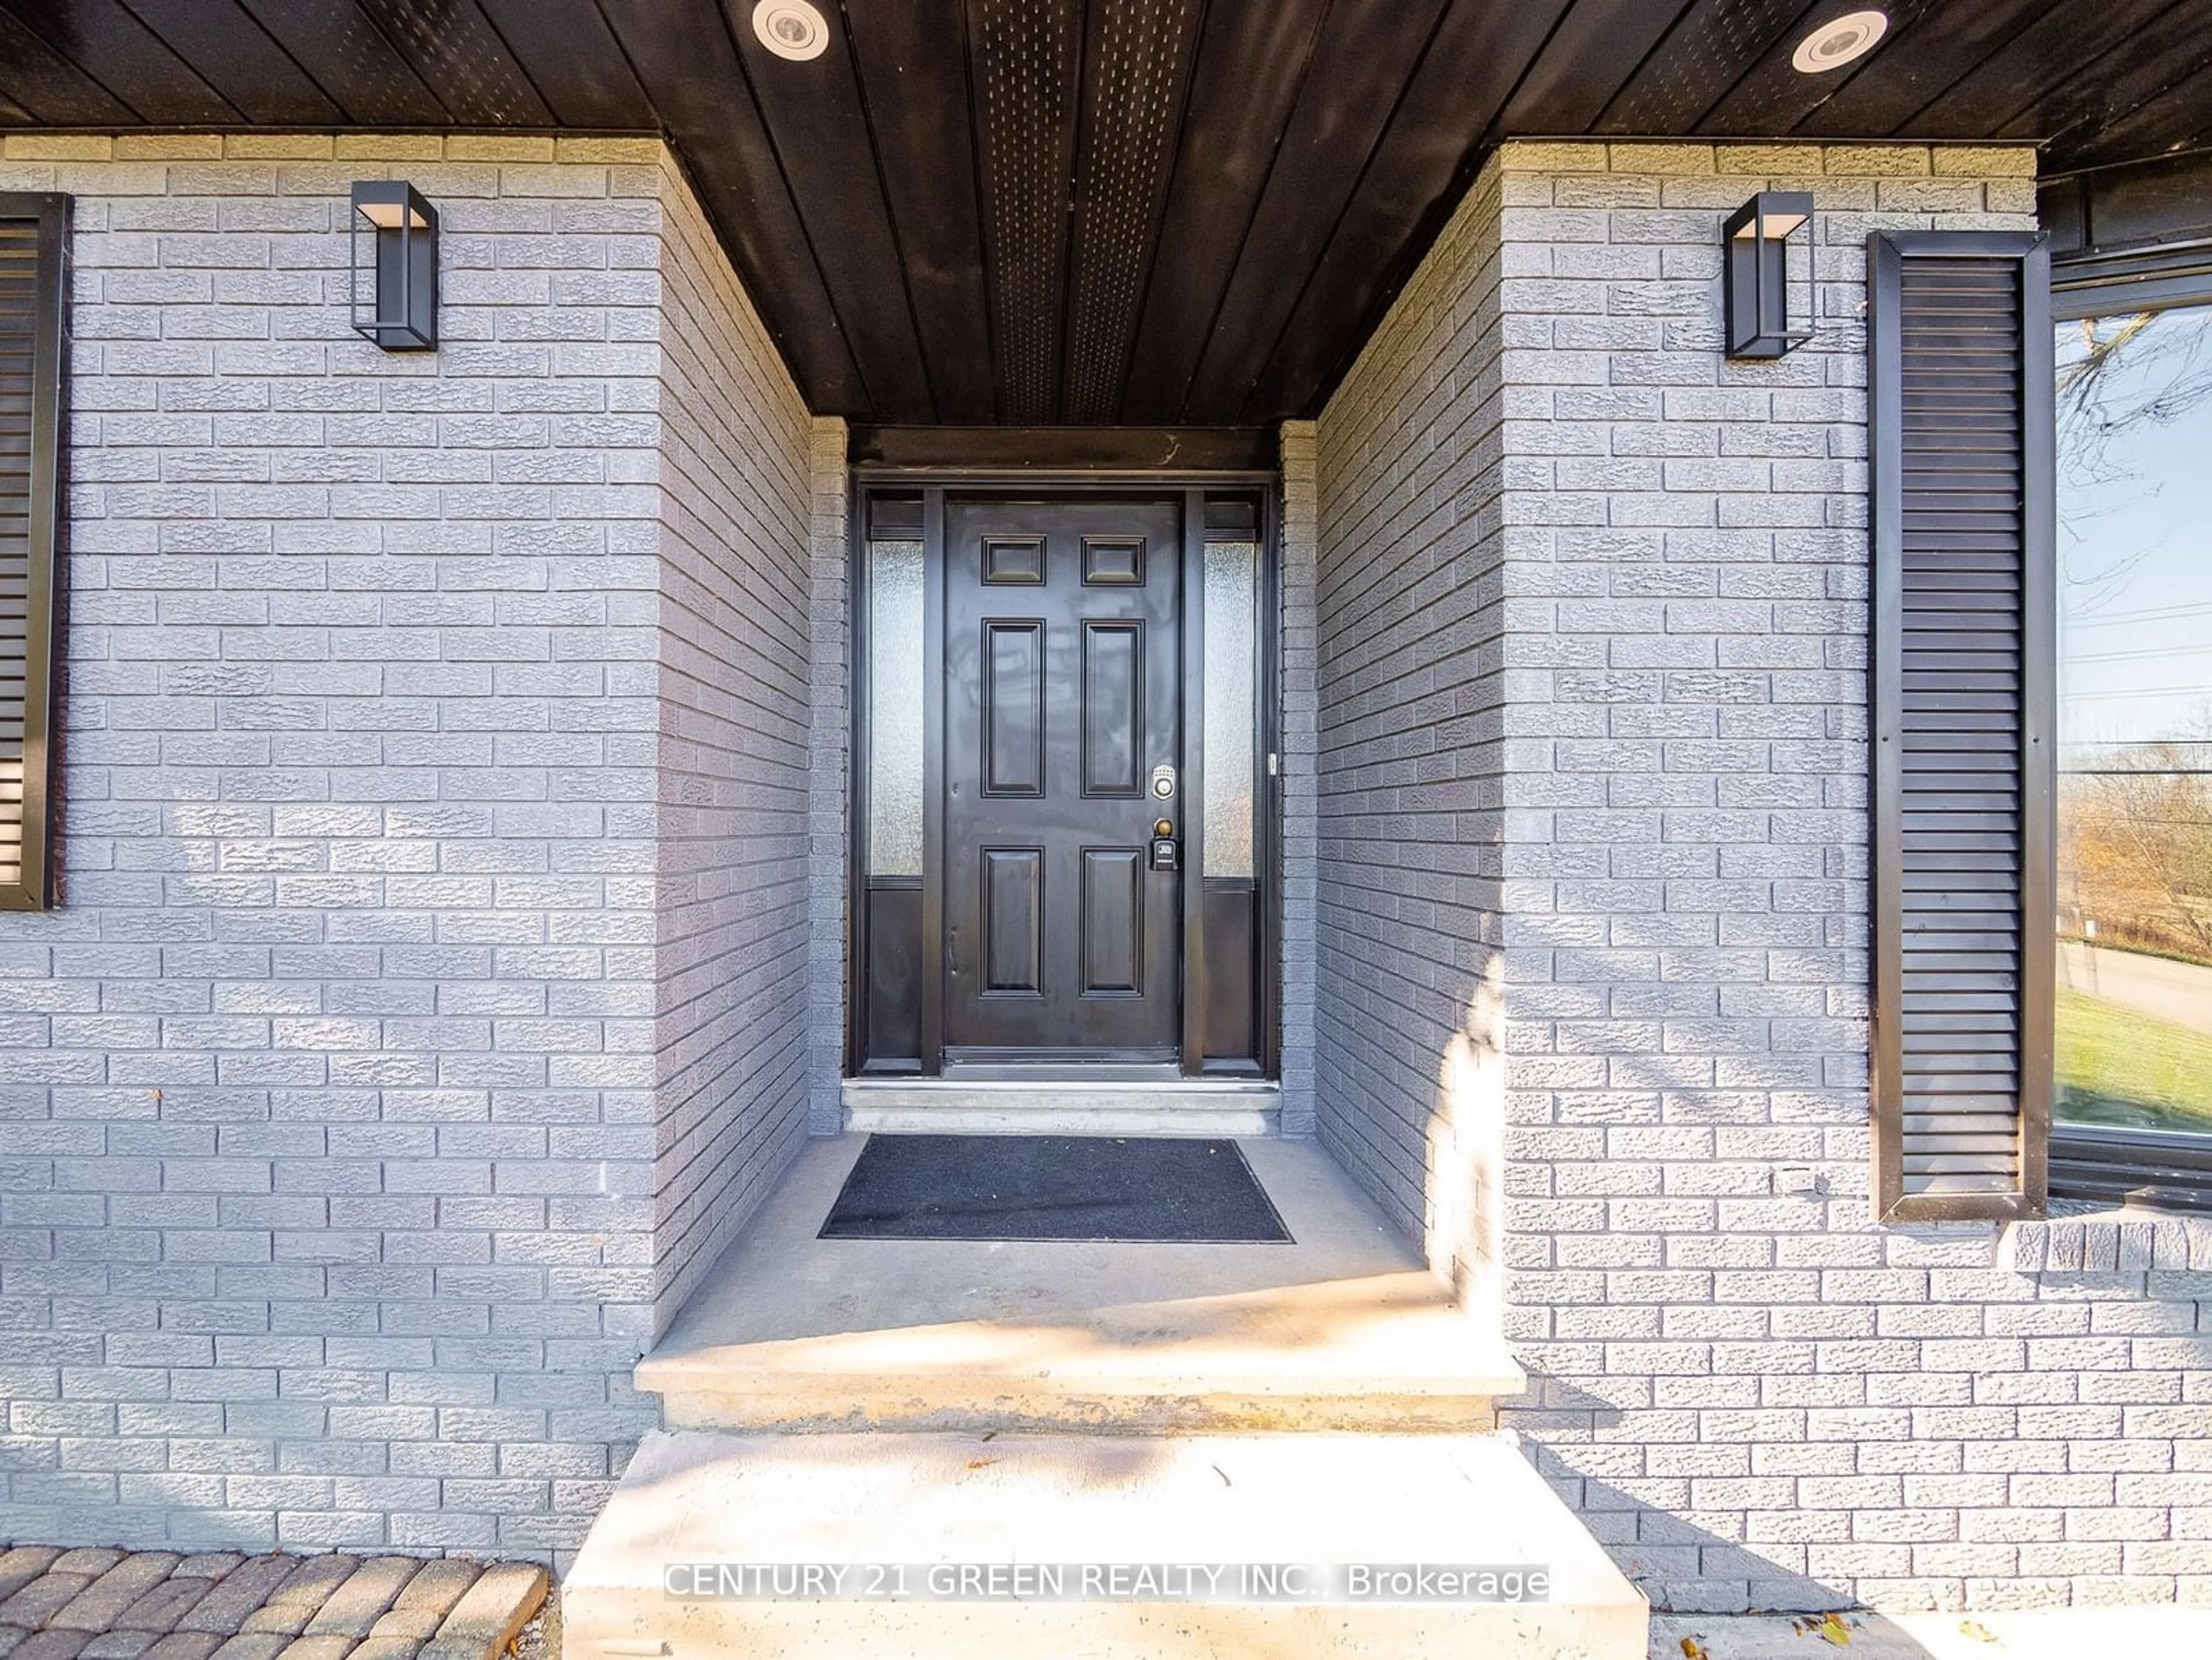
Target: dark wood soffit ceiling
1106	212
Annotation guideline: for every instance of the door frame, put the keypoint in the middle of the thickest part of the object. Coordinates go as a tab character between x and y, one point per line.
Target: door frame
933	485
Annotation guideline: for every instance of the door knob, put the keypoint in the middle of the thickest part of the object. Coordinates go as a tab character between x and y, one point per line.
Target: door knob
1166	853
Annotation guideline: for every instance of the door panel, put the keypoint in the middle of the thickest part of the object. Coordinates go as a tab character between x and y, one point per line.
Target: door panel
1113	561
1013	921
1013	561
1113	921
1114	708
1013	708
1062	694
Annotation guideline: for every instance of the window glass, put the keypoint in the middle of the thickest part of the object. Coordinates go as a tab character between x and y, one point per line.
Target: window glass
895	699
1232	668
2134	974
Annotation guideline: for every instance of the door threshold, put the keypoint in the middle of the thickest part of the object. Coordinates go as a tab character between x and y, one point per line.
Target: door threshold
1088	1105
1069	1073
1174	1086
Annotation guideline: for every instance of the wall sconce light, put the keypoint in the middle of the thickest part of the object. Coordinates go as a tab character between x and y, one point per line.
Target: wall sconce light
394	247
1755	274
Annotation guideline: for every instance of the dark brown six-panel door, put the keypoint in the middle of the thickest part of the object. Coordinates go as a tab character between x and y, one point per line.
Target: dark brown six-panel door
1063	676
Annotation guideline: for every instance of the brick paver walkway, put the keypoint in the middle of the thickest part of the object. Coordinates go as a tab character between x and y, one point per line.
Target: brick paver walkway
158	1605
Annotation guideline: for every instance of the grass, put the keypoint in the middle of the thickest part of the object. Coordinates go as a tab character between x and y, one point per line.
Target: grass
2114	1066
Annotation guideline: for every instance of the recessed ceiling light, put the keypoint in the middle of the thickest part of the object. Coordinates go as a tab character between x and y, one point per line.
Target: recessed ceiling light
791	28
1839	41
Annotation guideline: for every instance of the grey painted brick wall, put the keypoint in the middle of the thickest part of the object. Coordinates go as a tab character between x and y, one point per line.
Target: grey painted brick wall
1299	700
414	1018
1627	579
741	755
1408	602
830	562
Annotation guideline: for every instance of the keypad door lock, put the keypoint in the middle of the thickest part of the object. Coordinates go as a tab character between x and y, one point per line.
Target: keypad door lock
1163	782
1167	852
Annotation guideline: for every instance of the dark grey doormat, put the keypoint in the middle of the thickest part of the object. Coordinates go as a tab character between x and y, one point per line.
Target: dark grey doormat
1053	1187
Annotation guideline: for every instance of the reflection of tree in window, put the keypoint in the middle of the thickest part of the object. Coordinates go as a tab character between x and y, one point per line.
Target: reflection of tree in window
2134	1027
2115	375
2142	844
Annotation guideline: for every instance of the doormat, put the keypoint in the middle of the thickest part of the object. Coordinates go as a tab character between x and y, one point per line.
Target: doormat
1122	1189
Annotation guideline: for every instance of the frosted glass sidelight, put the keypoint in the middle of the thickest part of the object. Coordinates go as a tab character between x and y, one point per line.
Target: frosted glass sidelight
1232	671
895	709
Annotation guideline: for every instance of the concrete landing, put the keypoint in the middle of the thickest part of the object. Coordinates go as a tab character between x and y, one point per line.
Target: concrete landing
961	1509
1005	1107
1343	1329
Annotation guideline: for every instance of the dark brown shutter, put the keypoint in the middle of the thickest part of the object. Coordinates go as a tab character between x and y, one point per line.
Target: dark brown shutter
34	237
1962	670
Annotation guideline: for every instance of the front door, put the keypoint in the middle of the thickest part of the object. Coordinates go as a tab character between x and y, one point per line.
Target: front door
1063	724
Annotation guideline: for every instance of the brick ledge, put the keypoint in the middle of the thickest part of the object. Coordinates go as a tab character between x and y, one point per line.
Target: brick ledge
2106	1241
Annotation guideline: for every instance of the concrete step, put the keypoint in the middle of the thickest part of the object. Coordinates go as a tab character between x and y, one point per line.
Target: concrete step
1341	1328
1006	1516
1024	1107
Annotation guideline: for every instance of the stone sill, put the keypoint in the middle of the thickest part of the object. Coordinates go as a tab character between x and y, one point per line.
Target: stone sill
2106	1241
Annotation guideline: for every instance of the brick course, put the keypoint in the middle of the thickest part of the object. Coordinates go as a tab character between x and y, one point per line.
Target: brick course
1593	774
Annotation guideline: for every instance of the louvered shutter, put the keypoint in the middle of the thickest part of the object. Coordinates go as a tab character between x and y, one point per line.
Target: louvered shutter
33	232
1961	439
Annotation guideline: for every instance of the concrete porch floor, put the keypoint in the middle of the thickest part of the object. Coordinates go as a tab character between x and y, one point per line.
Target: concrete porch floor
1344	1328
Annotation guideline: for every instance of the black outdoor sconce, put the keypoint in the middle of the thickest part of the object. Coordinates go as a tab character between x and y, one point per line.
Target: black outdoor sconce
1755	274
398	268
